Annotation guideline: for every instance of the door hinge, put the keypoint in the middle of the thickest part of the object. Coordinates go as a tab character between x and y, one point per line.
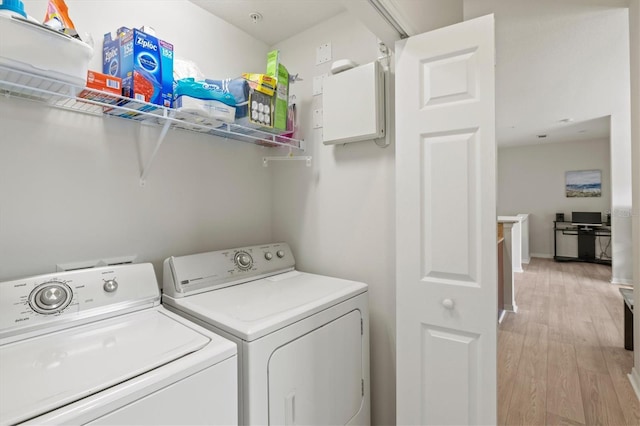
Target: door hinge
362	387
361	327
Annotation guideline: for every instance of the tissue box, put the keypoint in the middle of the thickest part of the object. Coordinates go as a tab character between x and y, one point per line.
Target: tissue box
204	102
143	62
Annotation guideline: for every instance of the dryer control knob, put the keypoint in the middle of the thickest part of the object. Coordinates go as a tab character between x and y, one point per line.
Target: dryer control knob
50	297
243	260
110	286
268	255
280	254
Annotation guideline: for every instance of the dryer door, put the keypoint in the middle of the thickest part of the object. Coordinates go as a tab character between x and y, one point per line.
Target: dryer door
317	378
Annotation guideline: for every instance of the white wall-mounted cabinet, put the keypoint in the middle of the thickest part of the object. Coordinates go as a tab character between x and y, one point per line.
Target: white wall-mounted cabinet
353	105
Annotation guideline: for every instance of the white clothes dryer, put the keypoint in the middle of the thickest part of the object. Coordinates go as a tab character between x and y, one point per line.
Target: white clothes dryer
95	347
303	339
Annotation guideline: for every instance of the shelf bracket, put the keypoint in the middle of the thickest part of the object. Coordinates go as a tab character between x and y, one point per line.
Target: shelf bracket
289	157
305	158
147	166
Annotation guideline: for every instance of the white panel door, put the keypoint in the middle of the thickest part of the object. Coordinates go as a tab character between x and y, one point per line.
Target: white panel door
446	226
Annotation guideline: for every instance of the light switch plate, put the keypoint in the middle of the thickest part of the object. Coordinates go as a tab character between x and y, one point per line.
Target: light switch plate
317	118
323	53
318	81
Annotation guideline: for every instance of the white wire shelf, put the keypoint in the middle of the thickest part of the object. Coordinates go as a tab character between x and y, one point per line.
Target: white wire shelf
62	95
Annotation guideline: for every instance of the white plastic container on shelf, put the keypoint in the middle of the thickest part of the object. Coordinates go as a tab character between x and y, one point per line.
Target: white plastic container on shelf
34	48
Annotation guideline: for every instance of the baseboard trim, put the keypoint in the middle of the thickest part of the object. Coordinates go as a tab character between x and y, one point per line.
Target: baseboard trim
511	308
542	255
623	281
526	261
501	317
634	378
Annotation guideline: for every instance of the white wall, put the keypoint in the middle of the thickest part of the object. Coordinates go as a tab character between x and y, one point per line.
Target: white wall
69	186
634	28
338	215
531	179
569	22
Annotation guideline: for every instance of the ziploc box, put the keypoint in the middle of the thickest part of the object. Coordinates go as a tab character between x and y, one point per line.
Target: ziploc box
112	53
144	63
148	63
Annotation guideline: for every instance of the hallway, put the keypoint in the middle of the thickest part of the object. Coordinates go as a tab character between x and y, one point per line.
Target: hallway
561	359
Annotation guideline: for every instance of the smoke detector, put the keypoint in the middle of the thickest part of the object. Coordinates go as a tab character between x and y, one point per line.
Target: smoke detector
255	17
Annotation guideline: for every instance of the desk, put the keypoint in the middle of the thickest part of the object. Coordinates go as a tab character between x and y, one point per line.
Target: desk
627	295
586	242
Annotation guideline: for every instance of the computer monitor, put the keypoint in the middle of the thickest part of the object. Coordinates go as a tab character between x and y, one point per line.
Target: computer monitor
586	218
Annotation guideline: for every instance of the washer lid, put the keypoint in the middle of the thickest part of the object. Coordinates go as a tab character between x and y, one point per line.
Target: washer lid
257	308
46	372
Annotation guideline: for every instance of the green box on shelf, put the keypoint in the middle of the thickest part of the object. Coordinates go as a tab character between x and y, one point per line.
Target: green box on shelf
278	71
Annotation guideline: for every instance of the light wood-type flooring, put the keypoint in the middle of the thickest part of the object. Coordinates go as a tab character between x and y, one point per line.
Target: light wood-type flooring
561	358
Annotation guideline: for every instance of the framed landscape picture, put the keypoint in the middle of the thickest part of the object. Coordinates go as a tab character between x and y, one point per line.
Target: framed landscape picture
583	183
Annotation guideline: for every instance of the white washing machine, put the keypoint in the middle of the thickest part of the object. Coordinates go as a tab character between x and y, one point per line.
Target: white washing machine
303	339
95	347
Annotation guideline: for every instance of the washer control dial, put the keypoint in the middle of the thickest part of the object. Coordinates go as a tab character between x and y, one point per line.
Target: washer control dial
110	285
50	297
243	260
280	253
268	255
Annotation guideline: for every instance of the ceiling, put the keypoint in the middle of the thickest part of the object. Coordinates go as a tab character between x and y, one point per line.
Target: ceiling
560	65
557	60
281	19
